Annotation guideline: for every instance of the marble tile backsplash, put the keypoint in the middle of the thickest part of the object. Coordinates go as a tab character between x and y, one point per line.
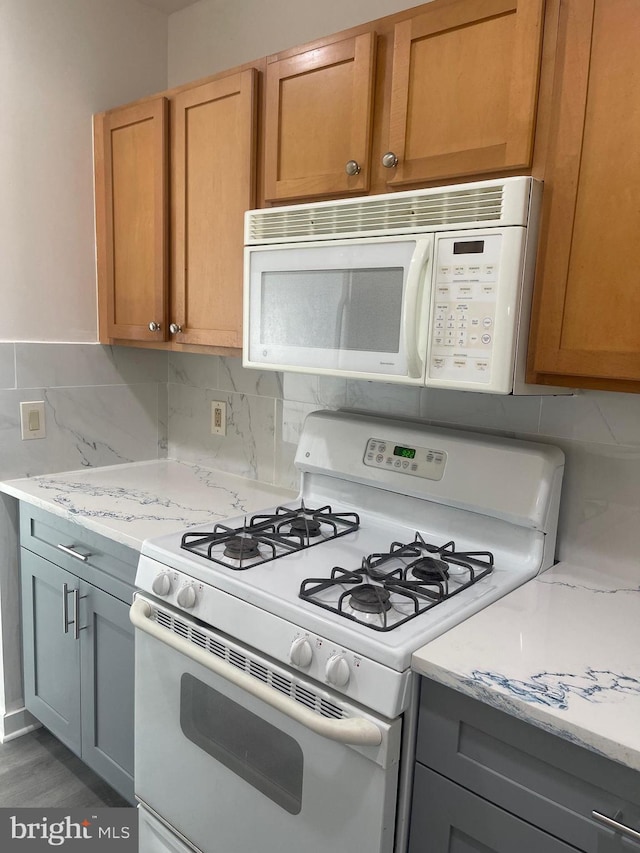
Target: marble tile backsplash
599	432
108	405
103	406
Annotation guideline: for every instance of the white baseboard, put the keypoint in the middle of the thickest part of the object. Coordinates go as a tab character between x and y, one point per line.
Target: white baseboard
17	723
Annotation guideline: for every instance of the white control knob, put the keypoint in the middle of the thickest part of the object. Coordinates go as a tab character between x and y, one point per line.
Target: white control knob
337	670
300	653
187	597
162	584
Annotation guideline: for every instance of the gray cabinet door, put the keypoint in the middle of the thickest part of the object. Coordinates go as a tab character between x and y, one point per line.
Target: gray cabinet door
446	818
51	656
107	671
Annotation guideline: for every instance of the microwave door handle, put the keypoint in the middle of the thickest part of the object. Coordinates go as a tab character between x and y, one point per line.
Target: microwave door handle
356	730
416	277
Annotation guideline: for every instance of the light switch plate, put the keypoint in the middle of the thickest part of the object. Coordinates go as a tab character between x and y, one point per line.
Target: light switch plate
32	423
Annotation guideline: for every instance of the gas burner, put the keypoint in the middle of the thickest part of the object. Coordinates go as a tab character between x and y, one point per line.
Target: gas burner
427	563
241	547
368	598
308	523
305	525
429	569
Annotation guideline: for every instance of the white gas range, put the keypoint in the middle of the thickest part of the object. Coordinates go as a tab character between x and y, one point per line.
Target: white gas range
296	628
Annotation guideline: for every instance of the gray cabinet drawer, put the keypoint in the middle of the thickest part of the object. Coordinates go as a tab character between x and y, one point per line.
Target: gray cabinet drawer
100	561
449	819
547	781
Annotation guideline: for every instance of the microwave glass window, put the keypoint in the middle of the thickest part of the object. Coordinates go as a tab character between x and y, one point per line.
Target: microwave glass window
468	247
351	309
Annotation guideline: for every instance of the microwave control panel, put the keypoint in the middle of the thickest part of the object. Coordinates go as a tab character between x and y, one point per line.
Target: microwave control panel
463	324
416	461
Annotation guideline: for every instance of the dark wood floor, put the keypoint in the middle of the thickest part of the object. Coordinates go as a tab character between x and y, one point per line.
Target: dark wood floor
38	771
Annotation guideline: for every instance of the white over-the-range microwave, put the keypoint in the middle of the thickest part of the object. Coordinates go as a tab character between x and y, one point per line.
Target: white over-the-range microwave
430	287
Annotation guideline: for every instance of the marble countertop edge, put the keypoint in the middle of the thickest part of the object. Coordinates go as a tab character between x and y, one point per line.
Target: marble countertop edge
535	715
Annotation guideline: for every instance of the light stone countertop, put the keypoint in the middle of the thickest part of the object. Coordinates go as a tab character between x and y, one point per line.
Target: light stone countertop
137	500
561	652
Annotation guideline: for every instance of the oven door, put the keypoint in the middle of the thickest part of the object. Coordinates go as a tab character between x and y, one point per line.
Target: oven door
236	753
353	308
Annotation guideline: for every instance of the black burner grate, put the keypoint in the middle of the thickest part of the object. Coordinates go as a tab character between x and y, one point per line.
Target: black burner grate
411	579
265	537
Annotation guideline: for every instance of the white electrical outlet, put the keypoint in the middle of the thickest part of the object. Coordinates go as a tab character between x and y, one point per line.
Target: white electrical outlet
32	423
218	417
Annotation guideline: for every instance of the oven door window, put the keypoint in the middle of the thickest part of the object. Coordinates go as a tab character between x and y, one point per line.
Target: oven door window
256	751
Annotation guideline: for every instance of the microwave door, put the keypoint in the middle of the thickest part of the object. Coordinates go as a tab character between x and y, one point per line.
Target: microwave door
335	309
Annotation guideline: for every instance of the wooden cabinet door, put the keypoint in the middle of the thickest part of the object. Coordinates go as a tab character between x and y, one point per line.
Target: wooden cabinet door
464	89
213	183
318	119
588	299
107	671
131	160
51	656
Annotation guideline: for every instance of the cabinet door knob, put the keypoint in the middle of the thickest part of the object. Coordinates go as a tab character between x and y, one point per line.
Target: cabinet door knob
352	167
389	160
154	327
174	328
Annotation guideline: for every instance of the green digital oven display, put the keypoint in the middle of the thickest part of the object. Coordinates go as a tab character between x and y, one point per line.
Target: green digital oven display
405	452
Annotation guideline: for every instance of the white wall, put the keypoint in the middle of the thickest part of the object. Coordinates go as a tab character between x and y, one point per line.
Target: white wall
216	34
60	62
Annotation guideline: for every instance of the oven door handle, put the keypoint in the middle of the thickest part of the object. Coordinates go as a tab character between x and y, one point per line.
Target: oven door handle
356	731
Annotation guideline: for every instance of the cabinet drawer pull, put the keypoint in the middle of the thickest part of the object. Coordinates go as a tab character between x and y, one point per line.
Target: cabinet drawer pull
612	823
68	549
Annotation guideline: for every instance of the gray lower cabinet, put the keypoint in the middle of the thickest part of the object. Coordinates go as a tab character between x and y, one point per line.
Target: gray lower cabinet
447	817
78	642
489	783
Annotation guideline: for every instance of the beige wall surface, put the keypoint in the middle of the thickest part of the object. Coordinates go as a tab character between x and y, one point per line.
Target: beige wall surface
60	62
216	34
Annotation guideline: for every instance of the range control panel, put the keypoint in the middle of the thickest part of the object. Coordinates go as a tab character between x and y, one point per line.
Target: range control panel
417	461
464	310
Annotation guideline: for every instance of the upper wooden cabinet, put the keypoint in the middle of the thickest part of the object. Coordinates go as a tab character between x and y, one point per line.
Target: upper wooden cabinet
585	328
454	96
464	88
212	155
213	133
131	157
319	119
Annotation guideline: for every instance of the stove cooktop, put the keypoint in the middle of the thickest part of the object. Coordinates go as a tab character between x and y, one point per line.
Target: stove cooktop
312	587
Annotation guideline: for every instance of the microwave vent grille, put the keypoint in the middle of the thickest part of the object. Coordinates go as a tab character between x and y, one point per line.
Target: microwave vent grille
380	215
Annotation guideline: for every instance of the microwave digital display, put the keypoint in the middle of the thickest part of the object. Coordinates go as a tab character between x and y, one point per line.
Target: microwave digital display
468	247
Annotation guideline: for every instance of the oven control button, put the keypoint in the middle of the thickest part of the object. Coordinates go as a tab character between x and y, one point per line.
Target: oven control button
300	653
161	584
187	596
337	670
